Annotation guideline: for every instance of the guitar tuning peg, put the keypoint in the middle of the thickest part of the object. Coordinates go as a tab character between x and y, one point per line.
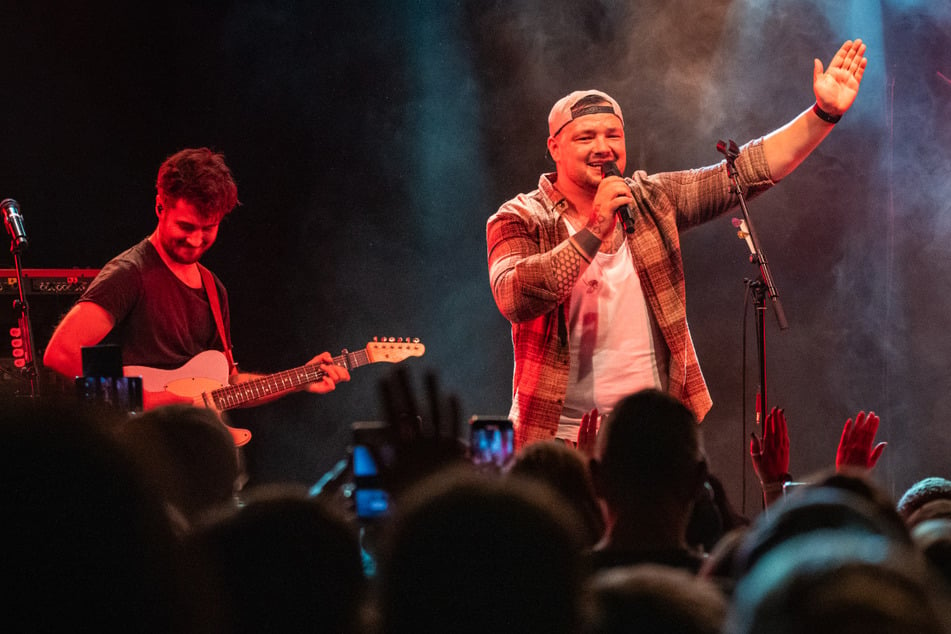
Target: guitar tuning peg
392	339
375	339
399	340
415	339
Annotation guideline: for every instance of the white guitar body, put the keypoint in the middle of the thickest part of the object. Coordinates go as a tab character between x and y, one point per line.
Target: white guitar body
201	375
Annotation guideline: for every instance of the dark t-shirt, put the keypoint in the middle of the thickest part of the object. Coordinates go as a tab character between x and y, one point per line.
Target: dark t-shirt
160	322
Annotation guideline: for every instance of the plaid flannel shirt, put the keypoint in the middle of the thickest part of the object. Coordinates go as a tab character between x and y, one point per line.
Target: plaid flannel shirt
521	236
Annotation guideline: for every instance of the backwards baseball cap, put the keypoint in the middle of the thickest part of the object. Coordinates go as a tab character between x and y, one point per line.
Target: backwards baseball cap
572	106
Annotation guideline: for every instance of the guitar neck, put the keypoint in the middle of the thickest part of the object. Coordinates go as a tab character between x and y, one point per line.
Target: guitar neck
232	396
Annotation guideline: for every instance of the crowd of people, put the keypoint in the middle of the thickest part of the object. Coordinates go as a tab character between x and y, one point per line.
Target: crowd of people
141	522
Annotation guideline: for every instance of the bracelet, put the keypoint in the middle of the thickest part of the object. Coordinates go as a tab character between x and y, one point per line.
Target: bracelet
776	487
825	116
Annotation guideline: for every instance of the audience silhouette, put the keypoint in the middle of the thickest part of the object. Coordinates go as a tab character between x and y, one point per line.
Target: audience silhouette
649	469
139	523
653	598
472	553
189	456
933	539
89	545
840	581
281	562
566	471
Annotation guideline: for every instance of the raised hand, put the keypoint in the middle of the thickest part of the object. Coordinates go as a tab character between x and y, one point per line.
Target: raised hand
855	446
422	441
837	86
770	454
588	432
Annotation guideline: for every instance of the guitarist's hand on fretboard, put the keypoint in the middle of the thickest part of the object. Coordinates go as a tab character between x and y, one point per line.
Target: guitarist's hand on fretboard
332	374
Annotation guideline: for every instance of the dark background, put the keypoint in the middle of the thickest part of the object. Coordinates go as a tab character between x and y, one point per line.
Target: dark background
371	141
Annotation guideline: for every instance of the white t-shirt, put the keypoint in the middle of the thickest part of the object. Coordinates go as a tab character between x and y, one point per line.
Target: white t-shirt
611	344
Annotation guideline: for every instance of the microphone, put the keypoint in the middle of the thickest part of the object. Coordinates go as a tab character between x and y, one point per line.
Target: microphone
13	221
609	168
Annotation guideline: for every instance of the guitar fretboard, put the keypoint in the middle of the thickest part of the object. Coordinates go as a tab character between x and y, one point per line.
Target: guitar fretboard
232	396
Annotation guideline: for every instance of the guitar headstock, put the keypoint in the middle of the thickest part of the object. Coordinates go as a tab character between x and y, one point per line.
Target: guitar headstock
394	349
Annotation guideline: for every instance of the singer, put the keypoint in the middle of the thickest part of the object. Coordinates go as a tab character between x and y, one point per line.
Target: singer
152	300
598	313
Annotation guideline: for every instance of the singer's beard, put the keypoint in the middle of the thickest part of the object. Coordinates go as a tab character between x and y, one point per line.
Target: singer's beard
593	180
185	254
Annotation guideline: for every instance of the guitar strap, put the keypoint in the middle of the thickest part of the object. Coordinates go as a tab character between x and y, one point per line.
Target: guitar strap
211	289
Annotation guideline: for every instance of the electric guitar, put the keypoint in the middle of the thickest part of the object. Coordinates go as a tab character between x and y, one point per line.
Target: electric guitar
204	378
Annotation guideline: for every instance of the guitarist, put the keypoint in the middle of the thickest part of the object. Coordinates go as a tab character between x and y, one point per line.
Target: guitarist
152	299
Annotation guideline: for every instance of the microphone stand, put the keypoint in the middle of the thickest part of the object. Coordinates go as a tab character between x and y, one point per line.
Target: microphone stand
21	308
764	285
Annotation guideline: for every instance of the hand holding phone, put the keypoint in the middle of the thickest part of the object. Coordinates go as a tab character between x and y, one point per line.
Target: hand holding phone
371	454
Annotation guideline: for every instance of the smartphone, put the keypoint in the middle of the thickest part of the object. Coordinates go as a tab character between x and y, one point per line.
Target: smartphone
371	453
791	487
491	440
123	393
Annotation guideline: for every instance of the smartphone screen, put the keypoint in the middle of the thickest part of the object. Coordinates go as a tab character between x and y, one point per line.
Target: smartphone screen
371	453
491	440
122	393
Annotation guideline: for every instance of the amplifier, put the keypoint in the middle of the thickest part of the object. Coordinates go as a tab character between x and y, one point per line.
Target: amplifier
50	293
47	281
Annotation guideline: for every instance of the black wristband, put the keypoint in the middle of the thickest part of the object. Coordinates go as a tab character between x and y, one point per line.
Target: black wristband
825	116
587	243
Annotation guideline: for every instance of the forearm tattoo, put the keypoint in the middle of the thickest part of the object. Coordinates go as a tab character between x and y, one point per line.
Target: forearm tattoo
567	264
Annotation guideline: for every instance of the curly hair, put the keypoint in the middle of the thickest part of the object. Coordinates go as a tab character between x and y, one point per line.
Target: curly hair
201	177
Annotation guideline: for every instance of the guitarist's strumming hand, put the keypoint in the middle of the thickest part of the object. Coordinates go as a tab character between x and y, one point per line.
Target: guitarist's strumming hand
333	374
